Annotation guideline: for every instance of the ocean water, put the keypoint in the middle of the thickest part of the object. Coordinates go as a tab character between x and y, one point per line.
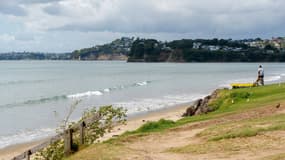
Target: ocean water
35	95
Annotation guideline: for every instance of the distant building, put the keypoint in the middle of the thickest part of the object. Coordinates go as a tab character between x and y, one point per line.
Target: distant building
196	45
214	48
211	47
257	44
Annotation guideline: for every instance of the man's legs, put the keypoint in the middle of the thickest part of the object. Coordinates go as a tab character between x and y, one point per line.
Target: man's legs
262	81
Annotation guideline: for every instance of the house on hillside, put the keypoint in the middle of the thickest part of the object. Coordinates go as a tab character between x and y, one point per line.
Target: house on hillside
197	45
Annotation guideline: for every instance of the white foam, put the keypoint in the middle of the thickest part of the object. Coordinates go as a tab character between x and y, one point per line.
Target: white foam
85	94
272	78
283	74
25	136
107	90
144	105
142	83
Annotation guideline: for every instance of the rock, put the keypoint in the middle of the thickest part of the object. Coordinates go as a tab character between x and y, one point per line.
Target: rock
190	111
200	106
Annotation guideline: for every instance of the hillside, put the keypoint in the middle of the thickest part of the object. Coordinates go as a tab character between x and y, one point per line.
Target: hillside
206	50
116	50
248	124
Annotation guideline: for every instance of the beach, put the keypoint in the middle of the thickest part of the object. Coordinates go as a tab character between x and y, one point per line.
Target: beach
134	122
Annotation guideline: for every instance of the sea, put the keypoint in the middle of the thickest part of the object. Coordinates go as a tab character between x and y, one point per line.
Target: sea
35	96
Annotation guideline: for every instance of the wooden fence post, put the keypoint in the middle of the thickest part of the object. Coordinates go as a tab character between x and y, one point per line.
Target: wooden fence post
68	142
81	130
28	155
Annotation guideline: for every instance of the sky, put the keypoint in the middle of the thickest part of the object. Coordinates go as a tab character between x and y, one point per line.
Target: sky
66	25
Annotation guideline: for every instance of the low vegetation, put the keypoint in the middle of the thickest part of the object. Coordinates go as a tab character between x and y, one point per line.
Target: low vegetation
103	120
222	137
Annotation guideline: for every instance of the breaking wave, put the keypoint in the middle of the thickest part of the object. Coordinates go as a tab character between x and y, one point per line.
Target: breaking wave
107	90
74	96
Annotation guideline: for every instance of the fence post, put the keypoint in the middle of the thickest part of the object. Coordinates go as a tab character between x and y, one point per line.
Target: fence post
68	142
28	155
82	126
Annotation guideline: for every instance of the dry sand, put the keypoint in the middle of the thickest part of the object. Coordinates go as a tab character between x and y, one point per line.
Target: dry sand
172	113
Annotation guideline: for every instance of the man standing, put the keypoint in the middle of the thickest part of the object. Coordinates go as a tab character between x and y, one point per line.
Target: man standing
260	78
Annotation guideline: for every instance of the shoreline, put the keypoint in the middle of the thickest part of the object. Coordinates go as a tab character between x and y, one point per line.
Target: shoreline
133	122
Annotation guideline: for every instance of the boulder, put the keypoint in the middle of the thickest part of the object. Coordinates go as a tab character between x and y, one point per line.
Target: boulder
200	106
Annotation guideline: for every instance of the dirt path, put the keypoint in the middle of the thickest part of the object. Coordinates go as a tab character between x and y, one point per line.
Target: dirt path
155	146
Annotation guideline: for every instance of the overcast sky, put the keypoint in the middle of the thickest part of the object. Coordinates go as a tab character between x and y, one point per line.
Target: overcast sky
65	25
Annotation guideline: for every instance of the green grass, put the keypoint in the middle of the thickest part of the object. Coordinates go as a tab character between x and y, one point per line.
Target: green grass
231	137
155	126
241	100
245	128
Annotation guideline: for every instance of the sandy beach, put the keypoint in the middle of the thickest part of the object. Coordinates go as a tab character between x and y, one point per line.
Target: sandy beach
171	113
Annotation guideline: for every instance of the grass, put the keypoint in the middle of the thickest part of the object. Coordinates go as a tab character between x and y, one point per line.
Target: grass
228	102
245	128
233	137
240	100
158	126
280	156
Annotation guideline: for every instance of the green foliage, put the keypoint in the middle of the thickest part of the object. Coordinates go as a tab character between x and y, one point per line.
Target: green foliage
118	46
105	119
148	49
55	151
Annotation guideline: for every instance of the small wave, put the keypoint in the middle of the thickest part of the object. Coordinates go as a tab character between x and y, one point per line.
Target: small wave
106	90
45	100
35	101
142	83
283	74
21	82
145	105
272	78
86	94
25	136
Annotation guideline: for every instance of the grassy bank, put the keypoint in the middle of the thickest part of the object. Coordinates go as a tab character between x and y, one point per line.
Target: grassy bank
241	115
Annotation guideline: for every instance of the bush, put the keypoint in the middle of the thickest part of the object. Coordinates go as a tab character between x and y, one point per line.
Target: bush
105	119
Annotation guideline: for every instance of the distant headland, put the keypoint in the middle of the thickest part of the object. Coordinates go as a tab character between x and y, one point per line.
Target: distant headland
185	50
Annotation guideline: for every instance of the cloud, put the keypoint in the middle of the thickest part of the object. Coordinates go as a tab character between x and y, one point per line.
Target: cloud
16	7
6	37
81	21
148	16
11	8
